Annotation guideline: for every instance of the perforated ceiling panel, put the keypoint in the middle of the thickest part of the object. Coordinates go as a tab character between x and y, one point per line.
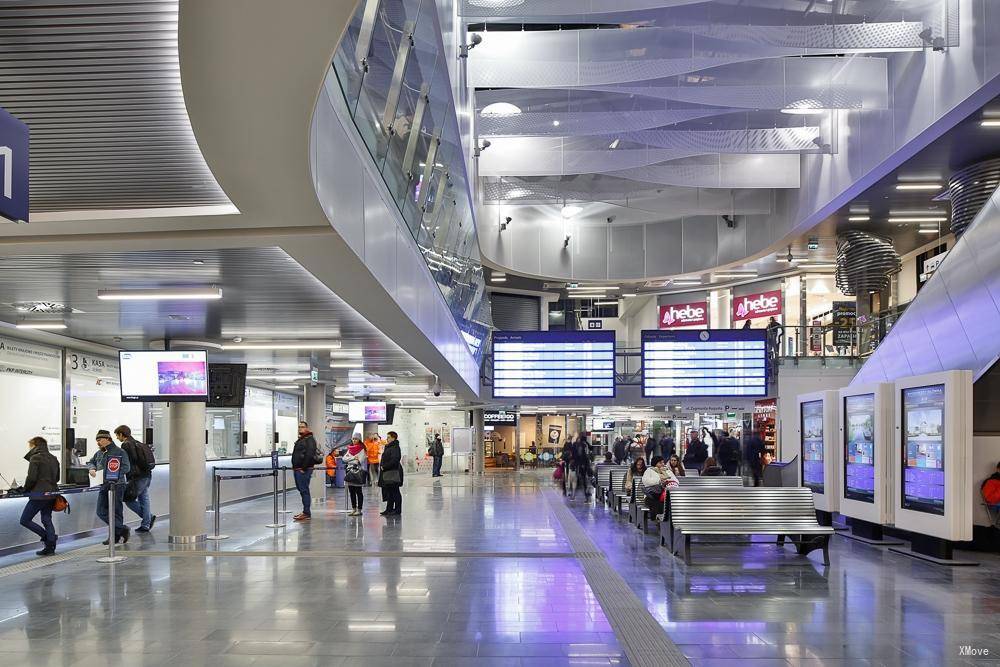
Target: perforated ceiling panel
98	83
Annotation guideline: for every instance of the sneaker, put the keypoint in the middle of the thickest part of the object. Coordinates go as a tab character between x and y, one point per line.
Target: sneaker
302	517
47	551
142	529
152	522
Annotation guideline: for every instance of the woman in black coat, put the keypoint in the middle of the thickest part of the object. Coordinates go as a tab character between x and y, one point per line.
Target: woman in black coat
392	463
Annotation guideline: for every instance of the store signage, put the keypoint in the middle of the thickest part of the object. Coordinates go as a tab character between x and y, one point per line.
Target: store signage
499	418
14	177
22	358
845	319
752	306
675	315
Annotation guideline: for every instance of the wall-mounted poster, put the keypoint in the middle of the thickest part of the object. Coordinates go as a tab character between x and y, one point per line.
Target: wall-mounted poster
554	434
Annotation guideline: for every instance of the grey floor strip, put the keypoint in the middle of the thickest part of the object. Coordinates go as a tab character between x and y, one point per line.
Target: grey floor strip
200	553
38	563
642	638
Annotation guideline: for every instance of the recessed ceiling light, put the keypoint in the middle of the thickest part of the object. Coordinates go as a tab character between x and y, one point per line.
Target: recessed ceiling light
161	294
858	218
41	325
917	219
555	123
500	109
991	122
199	262
347	364
286	386
304	345
570	211
919	186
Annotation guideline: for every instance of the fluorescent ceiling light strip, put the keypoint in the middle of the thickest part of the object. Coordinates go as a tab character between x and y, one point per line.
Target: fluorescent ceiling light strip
164	294
303	345
991	122
919	186
41	325
605	303
916	219
858	218
347	364
684	283
927	231
282	378
286	386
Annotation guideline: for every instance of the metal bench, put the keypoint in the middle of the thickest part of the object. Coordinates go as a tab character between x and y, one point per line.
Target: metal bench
604	480
638	513
615	486
787	512
666	526
721	480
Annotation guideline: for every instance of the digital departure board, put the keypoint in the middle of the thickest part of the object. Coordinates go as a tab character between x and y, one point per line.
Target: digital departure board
711	362
553	364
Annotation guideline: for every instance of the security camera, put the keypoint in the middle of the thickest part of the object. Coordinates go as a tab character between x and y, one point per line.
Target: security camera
509	219
611	219
479	149
437	386
475	40
730	221
506	221
566	241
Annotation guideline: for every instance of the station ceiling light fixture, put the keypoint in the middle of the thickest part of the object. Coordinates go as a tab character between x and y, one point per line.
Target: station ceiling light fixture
686	282
41	324
990	122
570	211
161	294
281	378
286	386
919	186
500	109
908	220
498	278
858	218
347	364
285	345
346	353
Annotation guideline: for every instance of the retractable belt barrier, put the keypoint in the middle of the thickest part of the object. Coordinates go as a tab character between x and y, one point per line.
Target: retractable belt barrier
217	495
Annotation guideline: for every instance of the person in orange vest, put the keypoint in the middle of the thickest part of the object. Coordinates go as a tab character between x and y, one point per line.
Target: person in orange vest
331	468
373	451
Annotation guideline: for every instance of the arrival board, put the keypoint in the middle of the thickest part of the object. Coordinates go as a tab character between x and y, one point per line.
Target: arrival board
553	364
711	362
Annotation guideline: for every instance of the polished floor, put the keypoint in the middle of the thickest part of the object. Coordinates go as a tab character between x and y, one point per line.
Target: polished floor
481	573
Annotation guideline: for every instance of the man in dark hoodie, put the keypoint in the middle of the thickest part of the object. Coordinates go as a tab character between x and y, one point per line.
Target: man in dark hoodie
304	455
43	477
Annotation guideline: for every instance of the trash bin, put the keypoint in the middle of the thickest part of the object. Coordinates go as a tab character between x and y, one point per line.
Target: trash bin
338	476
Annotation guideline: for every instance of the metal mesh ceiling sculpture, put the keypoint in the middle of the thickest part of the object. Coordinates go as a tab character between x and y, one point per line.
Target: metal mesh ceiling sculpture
865	263
970	189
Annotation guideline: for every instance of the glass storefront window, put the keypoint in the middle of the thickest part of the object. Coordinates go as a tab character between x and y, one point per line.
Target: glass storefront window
225	434
286	421
95	400
258	422
30	395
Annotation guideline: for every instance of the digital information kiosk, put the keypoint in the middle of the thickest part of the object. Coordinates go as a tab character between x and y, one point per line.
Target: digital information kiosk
933	462
819	450
864	487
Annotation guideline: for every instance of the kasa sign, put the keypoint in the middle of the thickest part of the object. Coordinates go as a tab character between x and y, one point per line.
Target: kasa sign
752	306
684	315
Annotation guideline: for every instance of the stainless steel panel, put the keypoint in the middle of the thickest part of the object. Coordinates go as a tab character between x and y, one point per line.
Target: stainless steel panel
626	257
700	243
590	251
663	248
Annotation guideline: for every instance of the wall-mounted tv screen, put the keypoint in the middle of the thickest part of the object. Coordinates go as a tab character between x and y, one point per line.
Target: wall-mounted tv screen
923	449
553	364
604	424
366	411
165	377
859	447
812	445
711	362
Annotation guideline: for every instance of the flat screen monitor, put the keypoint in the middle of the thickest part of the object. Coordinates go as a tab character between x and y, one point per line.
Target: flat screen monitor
812	445
923	449
371	412
710	362
163	377
227	385
554	364
604	425
859	447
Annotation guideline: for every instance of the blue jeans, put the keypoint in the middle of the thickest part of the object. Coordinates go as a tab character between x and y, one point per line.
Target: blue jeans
141	504
46	531
102	507
436	469
302	478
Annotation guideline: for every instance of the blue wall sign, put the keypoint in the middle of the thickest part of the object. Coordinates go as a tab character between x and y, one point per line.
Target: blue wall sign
274	460
13	168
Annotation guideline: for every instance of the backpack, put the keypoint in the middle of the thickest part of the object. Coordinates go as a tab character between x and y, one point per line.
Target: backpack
991	491
145	460
318	457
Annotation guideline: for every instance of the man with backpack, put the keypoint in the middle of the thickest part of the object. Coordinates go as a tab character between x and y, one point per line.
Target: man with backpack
306	455
436	451
140	455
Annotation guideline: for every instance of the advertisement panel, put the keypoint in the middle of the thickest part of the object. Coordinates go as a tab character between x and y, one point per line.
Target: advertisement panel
761	304
693	314
923	449
845	319
859	447
812	445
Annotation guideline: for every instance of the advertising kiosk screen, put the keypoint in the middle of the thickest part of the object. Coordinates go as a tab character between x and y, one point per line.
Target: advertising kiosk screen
366	411
923	449
157	376
553	364
812	445
859	447
711	362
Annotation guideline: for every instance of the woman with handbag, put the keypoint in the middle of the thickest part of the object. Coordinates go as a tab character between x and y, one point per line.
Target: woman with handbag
354	474
391	476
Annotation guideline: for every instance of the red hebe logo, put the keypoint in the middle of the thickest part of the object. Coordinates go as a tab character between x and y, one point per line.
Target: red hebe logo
684	315
751	306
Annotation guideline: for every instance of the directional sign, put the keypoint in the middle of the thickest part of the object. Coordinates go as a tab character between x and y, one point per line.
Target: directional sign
14	162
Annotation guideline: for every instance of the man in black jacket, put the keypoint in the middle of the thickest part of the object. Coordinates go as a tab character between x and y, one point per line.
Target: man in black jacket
43	477
140	477
304	455
729	454
391	463
437	453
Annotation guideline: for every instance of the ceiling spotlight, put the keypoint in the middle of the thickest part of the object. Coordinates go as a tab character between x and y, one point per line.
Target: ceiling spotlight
570	211
555	123
474	41
919	186
481	147
161	294
500	109
730	221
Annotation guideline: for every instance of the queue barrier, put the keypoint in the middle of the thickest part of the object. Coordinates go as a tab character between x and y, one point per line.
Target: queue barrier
217	496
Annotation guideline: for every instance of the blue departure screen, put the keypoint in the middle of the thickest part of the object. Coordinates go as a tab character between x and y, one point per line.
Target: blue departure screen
553	364
711	362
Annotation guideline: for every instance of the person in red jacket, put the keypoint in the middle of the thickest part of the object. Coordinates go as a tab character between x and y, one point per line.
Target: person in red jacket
990	488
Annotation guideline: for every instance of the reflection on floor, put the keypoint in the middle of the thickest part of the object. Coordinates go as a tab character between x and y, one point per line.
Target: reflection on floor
482	573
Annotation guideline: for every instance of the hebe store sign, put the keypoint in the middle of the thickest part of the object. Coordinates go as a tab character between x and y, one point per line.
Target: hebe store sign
752	306
684	315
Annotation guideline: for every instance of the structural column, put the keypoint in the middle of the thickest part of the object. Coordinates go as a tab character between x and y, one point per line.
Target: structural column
316	417
187	472
478	447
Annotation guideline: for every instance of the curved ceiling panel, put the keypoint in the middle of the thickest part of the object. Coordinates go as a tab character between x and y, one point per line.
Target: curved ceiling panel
472	9
99	86
581	123
766	170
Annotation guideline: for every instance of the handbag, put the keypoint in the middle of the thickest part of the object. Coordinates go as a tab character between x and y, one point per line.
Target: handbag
354	474
60	504
131	492
392	477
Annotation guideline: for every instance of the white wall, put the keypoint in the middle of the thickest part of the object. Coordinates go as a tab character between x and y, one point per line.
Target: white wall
412	426
794	381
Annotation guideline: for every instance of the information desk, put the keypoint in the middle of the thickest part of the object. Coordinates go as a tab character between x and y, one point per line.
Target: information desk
554	364
710	362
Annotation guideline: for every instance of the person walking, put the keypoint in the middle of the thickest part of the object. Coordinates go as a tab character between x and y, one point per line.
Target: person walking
354	460
437	453
372	452
391	476
729	455
304	458
106	450
142	461
43	477
697	452
620	451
